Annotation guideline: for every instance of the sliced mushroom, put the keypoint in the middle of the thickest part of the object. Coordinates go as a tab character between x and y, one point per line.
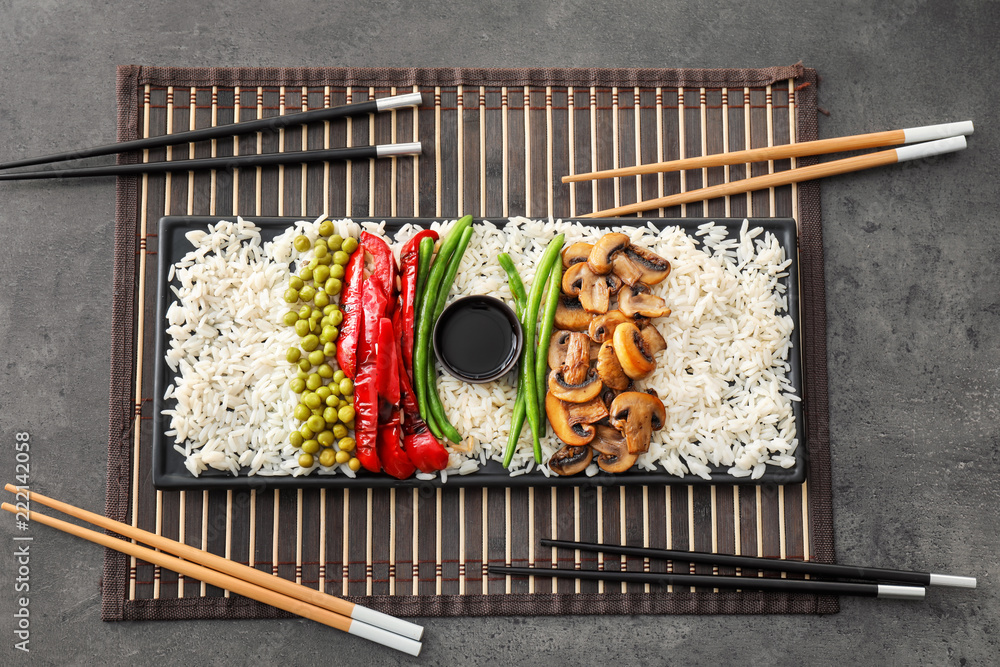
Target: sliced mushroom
630	348
609	369
613	454
557	349
638	265
603	327
637	414
571	459
572	422
592	289
580	392
637	300
576	364
614	283
653	341
576	253
570	315
604	251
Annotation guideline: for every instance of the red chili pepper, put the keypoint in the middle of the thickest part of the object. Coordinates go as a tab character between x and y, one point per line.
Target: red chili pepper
374	303
350	306
394	459
420	445
408	269
366	417
385	361
383	264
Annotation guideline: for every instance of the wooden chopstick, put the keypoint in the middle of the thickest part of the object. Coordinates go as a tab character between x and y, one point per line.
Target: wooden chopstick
718	581
856	163
829	570
232	162
803	149
233	129
351	618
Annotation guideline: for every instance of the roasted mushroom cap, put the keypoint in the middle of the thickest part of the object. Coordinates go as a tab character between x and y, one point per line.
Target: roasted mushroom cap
576	253
571	459
613	454
653	341
570	315
592	289
609	369
580	392
604	251
602	327
636	300
637	414
638	265
630	348
572	422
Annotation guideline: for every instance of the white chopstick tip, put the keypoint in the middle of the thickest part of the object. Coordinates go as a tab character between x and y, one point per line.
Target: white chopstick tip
399	101
942	131
930	148
391	623
390	150
385	638
952	580
891	592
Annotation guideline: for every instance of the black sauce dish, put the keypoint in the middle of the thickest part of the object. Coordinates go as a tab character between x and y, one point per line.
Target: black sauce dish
478	338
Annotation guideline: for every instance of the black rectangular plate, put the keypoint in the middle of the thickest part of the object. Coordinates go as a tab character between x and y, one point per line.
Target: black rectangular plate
169	471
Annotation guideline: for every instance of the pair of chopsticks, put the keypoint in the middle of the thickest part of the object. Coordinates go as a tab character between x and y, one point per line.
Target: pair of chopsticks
905	585
926	141
231	130
230	575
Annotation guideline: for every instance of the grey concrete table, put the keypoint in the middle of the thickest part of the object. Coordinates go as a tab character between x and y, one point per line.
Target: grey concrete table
913	305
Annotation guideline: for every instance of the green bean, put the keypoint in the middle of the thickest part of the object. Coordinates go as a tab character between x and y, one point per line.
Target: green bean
425	253
437	408
514	280
545	335
425	321
550	255
517	418
449	276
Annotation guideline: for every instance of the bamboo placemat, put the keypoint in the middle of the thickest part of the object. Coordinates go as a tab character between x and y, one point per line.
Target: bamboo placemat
495	144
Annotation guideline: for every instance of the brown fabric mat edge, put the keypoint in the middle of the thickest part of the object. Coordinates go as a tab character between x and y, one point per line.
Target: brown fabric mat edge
114	606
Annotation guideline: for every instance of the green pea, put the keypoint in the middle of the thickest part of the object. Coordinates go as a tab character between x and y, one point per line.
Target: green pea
338	376
302	412
333	402
335	389
292	355
330	349
336	242
310	446
291	317
301	243
328	334
314	381
291	295
325	371
346	413
339	431
302	327
304	312
350	425
333	286
296	282
298	385
330	417
316	423
306	460
306	432
321	273
312	401
346	444
349	245
327	457
304	365
324	392
320	251
316	357
321	299
336	317
326	228
306	273
337	271
301	374
346	386
320	243
307	293
325	438
310	343
295	438
341	257
342	457
329	308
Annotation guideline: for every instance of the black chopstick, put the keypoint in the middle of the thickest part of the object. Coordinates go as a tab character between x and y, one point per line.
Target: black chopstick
232	162
812	586
234	129
792	566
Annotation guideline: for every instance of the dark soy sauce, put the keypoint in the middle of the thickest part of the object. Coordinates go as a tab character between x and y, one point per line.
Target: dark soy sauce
475	340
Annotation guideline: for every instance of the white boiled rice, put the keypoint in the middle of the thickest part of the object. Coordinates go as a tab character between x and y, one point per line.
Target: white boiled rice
722	378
